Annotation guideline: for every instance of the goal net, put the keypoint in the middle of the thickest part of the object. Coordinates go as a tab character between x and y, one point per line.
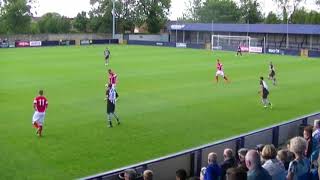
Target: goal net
231	43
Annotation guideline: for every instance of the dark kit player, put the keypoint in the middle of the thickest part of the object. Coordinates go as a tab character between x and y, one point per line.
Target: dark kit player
272	74
239	51
107	56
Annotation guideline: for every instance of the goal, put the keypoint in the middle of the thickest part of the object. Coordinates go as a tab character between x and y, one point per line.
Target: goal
231	43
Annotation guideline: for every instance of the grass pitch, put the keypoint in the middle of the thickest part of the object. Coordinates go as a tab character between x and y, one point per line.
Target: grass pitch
168	102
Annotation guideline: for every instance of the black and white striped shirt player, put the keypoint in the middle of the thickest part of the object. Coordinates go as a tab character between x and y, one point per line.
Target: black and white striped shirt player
111	104
265	93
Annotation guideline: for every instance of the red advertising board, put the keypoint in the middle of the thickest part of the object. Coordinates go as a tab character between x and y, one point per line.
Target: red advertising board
22	44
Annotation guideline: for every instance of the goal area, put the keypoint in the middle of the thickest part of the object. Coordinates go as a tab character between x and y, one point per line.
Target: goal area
231	43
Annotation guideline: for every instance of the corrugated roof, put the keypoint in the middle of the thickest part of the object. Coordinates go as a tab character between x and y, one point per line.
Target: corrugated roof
251	28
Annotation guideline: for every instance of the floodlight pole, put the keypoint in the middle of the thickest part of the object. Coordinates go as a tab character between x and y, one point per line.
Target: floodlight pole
287	46
113	19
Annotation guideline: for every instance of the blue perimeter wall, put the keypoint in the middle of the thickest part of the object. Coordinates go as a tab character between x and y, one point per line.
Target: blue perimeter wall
202	46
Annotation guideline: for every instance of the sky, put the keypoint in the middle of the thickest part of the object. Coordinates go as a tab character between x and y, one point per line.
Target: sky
71	8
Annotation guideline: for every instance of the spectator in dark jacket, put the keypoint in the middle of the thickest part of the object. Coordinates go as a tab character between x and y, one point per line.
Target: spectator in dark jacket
229	162
181	174
256	171
242	154
236	174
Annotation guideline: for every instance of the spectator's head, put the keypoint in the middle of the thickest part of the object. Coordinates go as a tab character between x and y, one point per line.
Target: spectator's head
282	155
130	174
236	174
253	160
212	158
316	124
298	146
40	92
227	154
147	175
242	154
307	132
181	174
259	147
269	152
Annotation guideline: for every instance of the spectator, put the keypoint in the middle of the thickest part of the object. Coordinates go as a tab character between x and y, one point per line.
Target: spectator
242	155
256	172
129	174
181	174
259	148
316	133
298	168
213	170
147	175
229	162
284	157
236	174
274	167
311	143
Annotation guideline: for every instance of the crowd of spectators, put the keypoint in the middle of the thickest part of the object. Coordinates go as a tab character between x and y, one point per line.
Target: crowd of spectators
297	160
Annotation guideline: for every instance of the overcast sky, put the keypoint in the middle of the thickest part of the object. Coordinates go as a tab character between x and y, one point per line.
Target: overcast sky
70	8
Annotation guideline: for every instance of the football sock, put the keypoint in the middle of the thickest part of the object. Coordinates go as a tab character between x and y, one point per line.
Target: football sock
217	78
40	130
35	124
116	117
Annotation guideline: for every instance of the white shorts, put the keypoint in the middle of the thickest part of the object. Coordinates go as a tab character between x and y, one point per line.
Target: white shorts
38	117
220	73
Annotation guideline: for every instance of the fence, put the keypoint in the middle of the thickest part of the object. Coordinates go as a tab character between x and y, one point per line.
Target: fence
193	159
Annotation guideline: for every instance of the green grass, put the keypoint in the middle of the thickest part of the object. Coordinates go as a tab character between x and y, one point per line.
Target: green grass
168	102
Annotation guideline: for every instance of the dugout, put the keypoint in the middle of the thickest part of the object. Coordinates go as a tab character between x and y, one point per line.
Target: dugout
276	36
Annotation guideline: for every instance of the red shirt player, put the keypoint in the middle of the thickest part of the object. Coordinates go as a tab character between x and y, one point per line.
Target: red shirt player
40	105
112	78
220	71
113	81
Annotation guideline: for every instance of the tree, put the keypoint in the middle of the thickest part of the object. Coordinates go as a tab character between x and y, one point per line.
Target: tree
154	13
272	18
219	11
192	11
16	15
288	7
54	23
100	18
250	12
81	22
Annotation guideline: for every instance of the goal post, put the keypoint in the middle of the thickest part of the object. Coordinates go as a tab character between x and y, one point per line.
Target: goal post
231	43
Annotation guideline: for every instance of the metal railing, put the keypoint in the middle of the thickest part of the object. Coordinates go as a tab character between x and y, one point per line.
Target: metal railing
193	159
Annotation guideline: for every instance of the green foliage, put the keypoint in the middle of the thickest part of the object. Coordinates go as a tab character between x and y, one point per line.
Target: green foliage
154	13
164	94
301	16
250	12
219	11
34	28
16	16
272	18
81	22
192	11
54	23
